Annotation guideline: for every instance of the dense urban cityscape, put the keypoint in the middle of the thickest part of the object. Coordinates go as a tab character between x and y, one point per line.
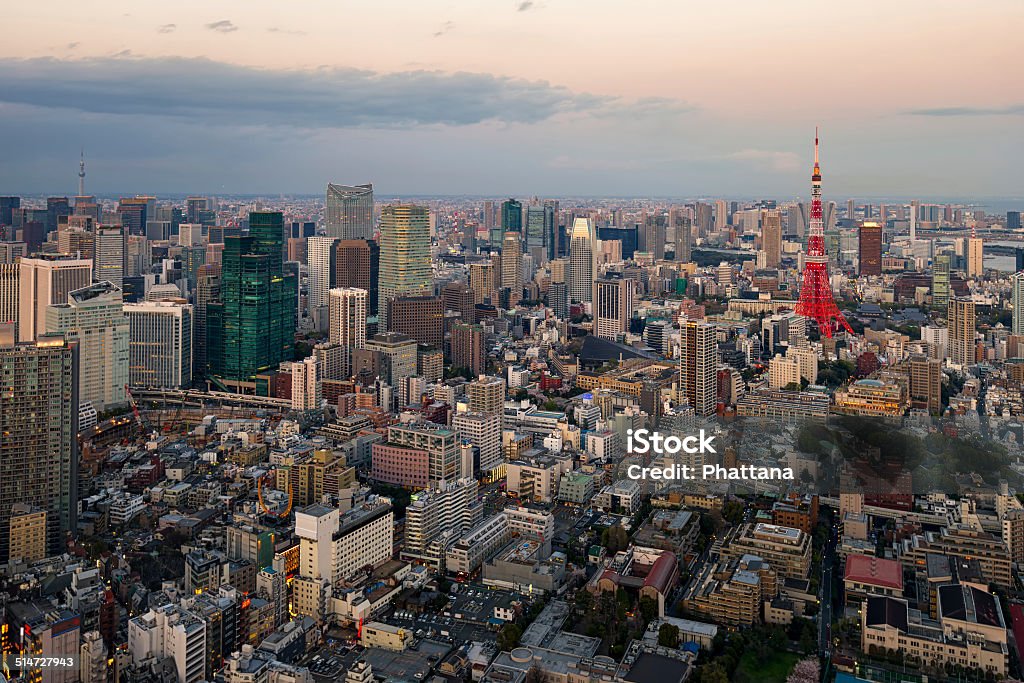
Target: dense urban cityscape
346	439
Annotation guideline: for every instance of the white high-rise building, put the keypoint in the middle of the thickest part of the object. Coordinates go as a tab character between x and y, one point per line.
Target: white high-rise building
347	322
1017	297
975	257
170	631
191	235
160	343
447	507
306	393
111	255
783	371
318	255
582	268
94	317
43	281
334	546
483	430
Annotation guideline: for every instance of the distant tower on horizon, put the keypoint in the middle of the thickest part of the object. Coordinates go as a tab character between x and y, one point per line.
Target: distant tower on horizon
816	300
81	174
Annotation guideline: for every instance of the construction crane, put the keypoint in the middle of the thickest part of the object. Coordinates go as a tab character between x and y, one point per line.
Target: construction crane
263	506
135	408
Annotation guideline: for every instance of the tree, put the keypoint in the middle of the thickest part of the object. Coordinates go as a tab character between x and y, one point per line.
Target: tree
509	635
713	673
648	608
806	671
615	538
668	635
732	512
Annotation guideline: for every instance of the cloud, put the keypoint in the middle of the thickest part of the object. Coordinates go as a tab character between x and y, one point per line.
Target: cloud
166	28
325	98
123	54
1011	110
446	27
222	26
72	46
524	6
285	31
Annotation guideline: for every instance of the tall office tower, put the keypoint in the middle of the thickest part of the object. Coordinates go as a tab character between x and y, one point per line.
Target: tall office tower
481	281
488	216
486	395
558	300
357	264
484	432
702	216
512	267
45	280
551	228
8	205
870	248
796	220
252	327
348	311
191	235
925	383
613	308
418	317
404	254
816	300
459	297
134	214
511	220
160	343
684	239
1012	218
9	276
111	261
39	424
698	359
582	262
207	290
450	507
915	216
975	256
940	279
399	353
469	348
55	208
348	213
319	253
194	208
850	209
10	252
721	215
93	316
76	241
961	322
1017	298
771	238
306	389
654	230
175	633
534	233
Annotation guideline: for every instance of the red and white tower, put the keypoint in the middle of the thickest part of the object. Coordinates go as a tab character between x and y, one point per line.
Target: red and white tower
816	300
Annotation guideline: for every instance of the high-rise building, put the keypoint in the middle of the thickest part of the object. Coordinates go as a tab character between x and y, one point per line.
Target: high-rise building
771	238
975	257
582	268
418	317
174	632
39	424
469	348
1012	219
721	215
45	280
320	252
348	212
449	508
486	395
613	307
404	254
111	260
482	281
512	267
306	388
870	249
135	213
558	300
551	228
925	383
9	275
437	459
534	233
961	322
484	432
160	347
702	218
400	355
698	359
207	290
1017	300
194	207
93	316
941	280
357	264
252	328
347	327
511	220
9	204
55	208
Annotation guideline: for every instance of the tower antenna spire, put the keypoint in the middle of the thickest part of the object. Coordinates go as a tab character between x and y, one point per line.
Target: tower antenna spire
81	174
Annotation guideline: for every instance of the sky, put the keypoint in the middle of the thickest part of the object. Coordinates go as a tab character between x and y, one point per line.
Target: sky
681	98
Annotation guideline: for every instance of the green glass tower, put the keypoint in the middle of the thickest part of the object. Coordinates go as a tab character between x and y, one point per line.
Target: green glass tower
252	328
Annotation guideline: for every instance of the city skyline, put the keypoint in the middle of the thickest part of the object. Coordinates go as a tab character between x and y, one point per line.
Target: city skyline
263	101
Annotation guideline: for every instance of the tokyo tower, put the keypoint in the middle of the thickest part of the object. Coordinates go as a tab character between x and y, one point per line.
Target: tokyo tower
816	300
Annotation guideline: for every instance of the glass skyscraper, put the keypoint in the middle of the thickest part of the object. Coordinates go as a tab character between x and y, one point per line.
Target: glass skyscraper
252	328
404	254
348	213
